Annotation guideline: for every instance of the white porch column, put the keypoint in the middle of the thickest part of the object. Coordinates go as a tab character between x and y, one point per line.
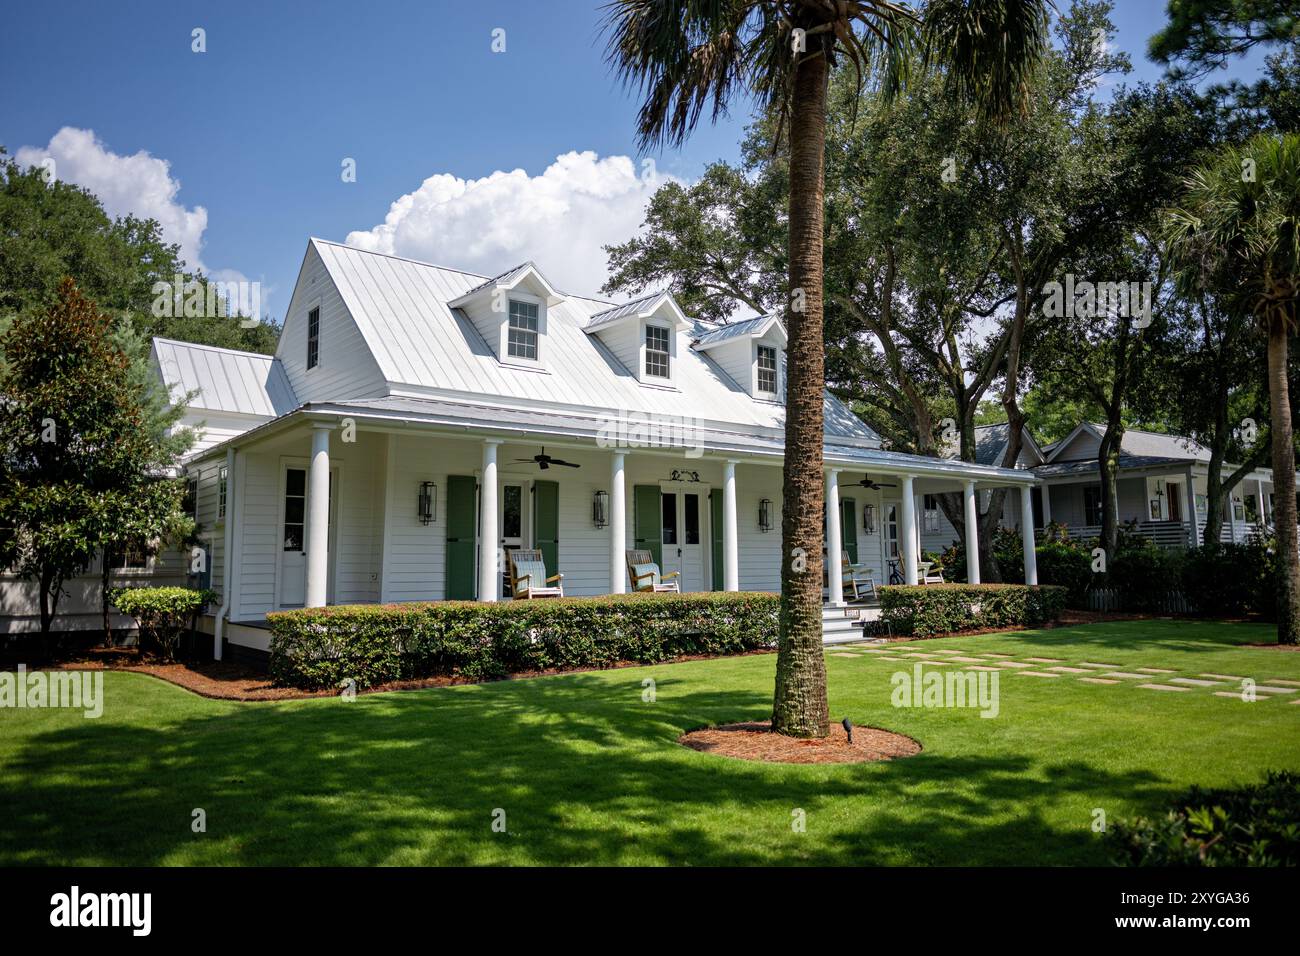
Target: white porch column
318	517
1193	533
834	539
1263	500
1027	534
488	535
1046	498
227	557
908	532
730	544
972	535
617	526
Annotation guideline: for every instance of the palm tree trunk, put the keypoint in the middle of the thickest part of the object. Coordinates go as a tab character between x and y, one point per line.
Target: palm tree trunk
1284	507
800	708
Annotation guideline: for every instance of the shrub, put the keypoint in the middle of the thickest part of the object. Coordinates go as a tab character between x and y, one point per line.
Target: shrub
1066	565
1231	579
374	644
1255	825
1144	573
162	613
927	610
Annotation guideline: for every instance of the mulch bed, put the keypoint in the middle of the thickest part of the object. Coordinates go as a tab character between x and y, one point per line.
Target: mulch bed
755	741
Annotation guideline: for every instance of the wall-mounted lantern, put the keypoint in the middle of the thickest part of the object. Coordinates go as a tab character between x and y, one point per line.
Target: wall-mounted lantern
869	518
765	515
600	509
428	502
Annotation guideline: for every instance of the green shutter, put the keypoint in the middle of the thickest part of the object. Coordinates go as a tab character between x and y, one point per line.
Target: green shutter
849	529
546	523
646	521
715	535
462	520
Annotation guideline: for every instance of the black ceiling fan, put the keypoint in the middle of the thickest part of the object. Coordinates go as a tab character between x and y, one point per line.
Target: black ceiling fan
545	461
866	482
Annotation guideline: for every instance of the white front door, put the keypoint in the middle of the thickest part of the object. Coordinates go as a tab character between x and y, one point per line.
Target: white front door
682	536
892	542
293	537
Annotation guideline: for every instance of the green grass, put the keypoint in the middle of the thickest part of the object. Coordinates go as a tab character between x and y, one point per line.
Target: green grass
588	773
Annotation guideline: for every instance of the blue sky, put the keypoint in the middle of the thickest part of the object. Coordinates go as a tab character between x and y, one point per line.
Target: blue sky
254	131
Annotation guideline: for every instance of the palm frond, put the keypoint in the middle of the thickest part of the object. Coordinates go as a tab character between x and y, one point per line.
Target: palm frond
988	50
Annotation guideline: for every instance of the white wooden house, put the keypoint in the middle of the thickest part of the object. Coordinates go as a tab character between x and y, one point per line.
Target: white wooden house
408	428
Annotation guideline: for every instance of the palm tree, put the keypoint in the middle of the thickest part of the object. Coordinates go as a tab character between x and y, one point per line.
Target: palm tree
1237	229
683	55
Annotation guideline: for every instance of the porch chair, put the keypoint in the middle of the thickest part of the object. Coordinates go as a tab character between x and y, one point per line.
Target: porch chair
931	573
528	578
646	576
857	578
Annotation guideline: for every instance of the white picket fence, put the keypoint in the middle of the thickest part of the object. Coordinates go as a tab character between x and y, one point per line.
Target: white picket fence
1109	599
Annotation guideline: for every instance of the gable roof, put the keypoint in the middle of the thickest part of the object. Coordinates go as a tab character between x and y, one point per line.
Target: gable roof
508	280
644	306
708	336
425	347
225	380
1136	443
991	443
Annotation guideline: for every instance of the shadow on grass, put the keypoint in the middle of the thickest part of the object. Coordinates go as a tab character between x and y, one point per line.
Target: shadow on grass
1190	635
586	772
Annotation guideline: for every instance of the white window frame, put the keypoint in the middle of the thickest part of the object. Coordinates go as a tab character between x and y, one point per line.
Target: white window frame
222	478
775	370
536	332
313	361
666	352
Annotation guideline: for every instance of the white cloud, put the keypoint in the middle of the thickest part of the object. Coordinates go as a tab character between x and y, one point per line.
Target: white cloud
559	219
140	184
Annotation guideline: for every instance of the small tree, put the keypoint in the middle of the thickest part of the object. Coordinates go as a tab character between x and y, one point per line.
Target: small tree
76	447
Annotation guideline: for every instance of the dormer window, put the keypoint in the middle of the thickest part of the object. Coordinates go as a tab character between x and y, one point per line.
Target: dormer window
657	351
522	335
313	338
767	369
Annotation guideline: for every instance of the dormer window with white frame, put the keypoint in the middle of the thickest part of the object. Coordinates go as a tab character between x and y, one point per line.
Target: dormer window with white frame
643	335
749	351
658	352
510	312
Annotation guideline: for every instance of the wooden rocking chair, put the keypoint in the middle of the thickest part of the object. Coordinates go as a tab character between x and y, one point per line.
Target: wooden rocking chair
645	575
528	578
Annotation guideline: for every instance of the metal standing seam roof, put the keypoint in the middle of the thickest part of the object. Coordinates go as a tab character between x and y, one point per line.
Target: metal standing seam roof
705	337
225	380
611	316
401	308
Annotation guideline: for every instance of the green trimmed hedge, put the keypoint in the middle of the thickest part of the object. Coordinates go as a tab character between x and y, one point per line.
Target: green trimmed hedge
931	609
373	644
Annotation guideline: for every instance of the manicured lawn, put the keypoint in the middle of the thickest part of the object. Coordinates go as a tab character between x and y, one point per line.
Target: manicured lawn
589	773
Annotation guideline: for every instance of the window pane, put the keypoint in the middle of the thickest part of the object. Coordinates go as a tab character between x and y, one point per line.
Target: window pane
313	337
656	351
294	510
669	535
512	520
766	369
692	504
293	537
295	482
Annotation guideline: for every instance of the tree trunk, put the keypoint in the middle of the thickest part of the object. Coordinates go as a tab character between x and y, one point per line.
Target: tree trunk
799	708
1284	507
1108	465
105	575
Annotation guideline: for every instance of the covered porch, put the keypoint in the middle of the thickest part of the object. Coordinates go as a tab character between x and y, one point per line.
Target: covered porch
359	505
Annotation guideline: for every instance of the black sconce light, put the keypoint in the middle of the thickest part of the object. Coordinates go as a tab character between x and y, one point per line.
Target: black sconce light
428	503
869	519
600	509
765	515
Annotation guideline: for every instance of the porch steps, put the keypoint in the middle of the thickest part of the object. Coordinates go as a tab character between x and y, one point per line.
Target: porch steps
844	625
